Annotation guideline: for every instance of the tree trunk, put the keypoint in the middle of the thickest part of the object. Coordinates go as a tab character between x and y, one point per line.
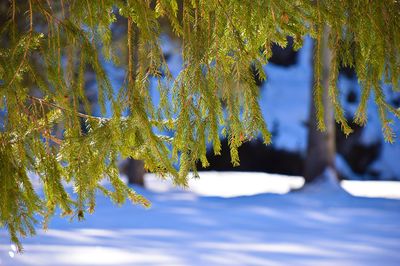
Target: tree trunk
321	145
134	170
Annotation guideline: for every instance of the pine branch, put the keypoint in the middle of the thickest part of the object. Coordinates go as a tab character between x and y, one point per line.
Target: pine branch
82	115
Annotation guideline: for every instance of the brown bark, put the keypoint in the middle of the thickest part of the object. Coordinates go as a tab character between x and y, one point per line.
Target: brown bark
321	145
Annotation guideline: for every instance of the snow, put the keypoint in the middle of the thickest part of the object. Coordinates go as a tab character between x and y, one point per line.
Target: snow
230	184
327	184
228	219
373	189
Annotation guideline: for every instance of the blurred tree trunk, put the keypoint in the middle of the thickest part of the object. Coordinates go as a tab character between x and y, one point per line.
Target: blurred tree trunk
134	170
321	145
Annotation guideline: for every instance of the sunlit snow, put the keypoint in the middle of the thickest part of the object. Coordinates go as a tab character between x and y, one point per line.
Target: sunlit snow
228	219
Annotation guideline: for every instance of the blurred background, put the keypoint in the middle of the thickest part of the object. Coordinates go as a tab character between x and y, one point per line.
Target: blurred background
285	99
253	214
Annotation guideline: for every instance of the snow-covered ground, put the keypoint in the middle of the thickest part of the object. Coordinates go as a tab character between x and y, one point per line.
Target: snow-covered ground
229	219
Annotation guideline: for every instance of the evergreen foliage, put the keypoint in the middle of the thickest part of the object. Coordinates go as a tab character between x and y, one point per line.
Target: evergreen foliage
48	46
